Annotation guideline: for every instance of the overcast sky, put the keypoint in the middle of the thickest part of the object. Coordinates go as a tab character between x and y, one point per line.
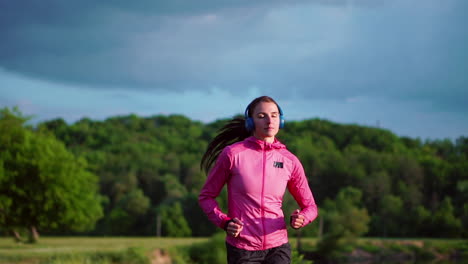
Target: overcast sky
398	64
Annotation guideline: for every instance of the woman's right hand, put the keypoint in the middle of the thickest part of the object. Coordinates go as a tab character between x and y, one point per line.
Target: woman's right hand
234	227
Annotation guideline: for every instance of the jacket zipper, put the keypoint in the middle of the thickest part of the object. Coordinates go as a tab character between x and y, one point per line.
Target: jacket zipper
263	189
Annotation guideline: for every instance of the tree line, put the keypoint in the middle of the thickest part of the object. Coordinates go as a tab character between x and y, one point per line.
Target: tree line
140	176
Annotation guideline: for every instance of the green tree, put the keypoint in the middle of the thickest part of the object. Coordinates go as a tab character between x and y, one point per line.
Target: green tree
387	217
420	219
464	219
42	185
444	221
173	221
160	155
345	220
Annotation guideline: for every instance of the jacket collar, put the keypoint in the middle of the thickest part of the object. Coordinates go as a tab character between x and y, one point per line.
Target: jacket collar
264	145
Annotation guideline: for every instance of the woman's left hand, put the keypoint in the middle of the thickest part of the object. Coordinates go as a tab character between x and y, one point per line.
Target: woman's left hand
297	220
234	227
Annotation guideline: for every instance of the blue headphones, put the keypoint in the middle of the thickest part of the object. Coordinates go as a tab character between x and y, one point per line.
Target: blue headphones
249	122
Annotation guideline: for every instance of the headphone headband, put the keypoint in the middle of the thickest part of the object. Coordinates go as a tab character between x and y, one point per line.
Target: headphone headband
249	123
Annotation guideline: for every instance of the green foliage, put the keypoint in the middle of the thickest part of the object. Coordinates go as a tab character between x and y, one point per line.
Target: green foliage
197	220
369	247
214	252
42	185
298	258
464	219
144	163
345	221
445	221
127	209
211	252
388	215
173	221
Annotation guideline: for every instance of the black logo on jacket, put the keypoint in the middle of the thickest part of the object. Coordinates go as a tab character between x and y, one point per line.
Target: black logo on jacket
278	164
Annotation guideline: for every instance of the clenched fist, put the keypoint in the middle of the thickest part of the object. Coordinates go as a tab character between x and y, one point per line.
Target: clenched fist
297	220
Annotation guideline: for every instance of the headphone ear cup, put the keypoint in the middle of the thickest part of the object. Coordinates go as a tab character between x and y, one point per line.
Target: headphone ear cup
281	122
249	124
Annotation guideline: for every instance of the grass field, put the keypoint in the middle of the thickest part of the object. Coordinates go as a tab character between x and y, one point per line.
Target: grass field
50	247
53	245
70	245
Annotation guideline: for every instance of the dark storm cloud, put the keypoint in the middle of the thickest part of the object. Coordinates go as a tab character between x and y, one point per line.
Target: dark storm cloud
392	49
93	42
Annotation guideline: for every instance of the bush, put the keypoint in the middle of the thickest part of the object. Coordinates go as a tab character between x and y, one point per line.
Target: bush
298	258
368	247
180	254
211	252
214	252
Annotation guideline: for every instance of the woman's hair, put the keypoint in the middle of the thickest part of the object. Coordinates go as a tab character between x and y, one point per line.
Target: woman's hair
233	131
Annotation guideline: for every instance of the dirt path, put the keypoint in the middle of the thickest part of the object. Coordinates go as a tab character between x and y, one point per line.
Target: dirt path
159	256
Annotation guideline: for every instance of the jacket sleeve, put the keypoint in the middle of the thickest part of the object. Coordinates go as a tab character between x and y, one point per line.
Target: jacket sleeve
217	178
300	190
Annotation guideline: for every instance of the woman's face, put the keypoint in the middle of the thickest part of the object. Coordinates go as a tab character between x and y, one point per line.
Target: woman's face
266	118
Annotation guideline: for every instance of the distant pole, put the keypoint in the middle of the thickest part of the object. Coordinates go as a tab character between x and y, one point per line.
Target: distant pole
158	225
299	245
320	231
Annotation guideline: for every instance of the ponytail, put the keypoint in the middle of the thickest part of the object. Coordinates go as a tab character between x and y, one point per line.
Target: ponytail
233	131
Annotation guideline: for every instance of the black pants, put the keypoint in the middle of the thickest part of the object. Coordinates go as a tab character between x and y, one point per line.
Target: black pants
277	255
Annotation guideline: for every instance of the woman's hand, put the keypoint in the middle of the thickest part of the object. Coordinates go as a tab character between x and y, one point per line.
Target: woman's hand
234	227
297	220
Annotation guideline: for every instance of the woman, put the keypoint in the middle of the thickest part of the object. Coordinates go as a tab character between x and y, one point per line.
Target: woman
257	169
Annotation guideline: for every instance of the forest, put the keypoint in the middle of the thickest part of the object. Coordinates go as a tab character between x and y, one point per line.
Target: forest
140	176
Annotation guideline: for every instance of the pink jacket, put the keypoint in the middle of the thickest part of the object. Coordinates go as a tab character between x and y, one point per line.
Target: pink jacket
257	174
